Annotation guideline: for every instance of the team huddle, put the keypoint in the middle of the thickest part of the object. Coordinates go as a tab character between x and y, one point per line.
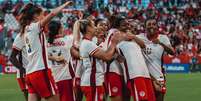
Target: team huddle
103	58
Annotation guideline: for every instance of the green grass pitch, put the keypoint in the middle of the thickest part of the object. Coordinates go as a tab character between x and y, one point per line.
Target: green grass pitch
180	87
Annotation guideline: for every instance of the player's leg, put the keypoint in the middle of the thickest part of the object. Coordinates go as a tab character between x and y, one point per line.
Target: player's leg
115	88
22	85
33	97
126	92
52	98
159	96
25	92
77	89
160	90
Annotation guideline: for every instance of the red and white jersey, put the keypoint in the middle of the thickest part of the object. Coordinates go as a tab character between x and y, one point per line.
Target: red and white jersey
153	54
61	47
114	65
36	48
93	70
19	45
134	65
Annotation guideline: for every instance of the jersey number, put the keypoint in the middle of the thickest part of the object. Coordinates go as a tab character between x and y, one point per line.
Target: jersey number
147	50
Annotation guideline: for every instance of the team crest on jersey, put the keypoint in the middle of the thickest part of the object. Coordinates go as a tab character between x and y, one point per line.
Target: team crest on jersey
142	93
115	89
101	96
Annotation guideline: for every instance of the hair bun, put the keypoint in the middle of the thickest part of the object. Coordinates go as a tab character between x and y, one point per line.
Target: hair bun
26	8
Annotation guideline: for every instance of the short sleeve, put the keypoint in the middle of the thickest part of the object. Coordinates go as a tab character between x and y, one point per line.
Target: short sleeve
91	47
109	37
141	36
18	43
165	40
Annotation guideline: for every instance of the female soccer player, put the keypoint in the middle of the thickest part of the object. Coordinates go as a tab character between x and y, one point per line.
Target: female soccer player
59	57
75	60
38	75
156	44
19	59
114	72
93	74
135	69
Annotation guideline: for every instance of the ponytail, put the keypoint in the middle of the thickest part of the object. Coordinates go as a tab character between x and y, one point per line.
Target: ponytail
53	27
27	15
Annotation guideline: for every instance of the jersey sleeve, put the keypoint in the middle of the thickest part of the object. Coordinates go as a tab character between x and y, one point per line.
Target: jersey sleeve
109	37
91	47
165	40
140	36
18	43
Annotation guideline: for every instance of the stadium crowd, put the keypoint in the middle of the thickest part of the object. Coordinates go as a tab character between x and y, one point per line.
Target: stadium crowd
179	19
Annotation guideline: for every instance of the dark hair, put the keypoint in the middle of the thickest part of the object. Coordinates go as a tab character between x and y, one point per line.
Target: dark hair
150	18
27	15
53	28
116	21
83	25
98	20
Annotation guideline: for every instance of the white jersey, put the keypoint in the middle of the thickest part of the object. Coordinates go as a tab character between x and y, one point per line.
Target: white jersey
93	70
19	45
153	54
61	47
135	65
36	47
114	66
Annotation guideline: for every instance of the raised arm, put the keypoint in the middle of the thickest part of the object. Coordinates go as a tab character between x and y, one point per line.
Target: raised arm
54	12
109	53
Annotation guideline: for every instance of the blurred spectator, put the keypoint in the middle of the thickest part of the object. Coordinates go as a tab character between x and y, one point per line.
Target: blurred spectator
2	33
180	20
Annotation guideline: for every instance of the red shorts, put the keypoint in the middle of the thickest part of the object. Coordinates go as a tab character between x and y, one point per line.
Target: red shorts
21	83
65	88
41	83
114	84
142	89
94	93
